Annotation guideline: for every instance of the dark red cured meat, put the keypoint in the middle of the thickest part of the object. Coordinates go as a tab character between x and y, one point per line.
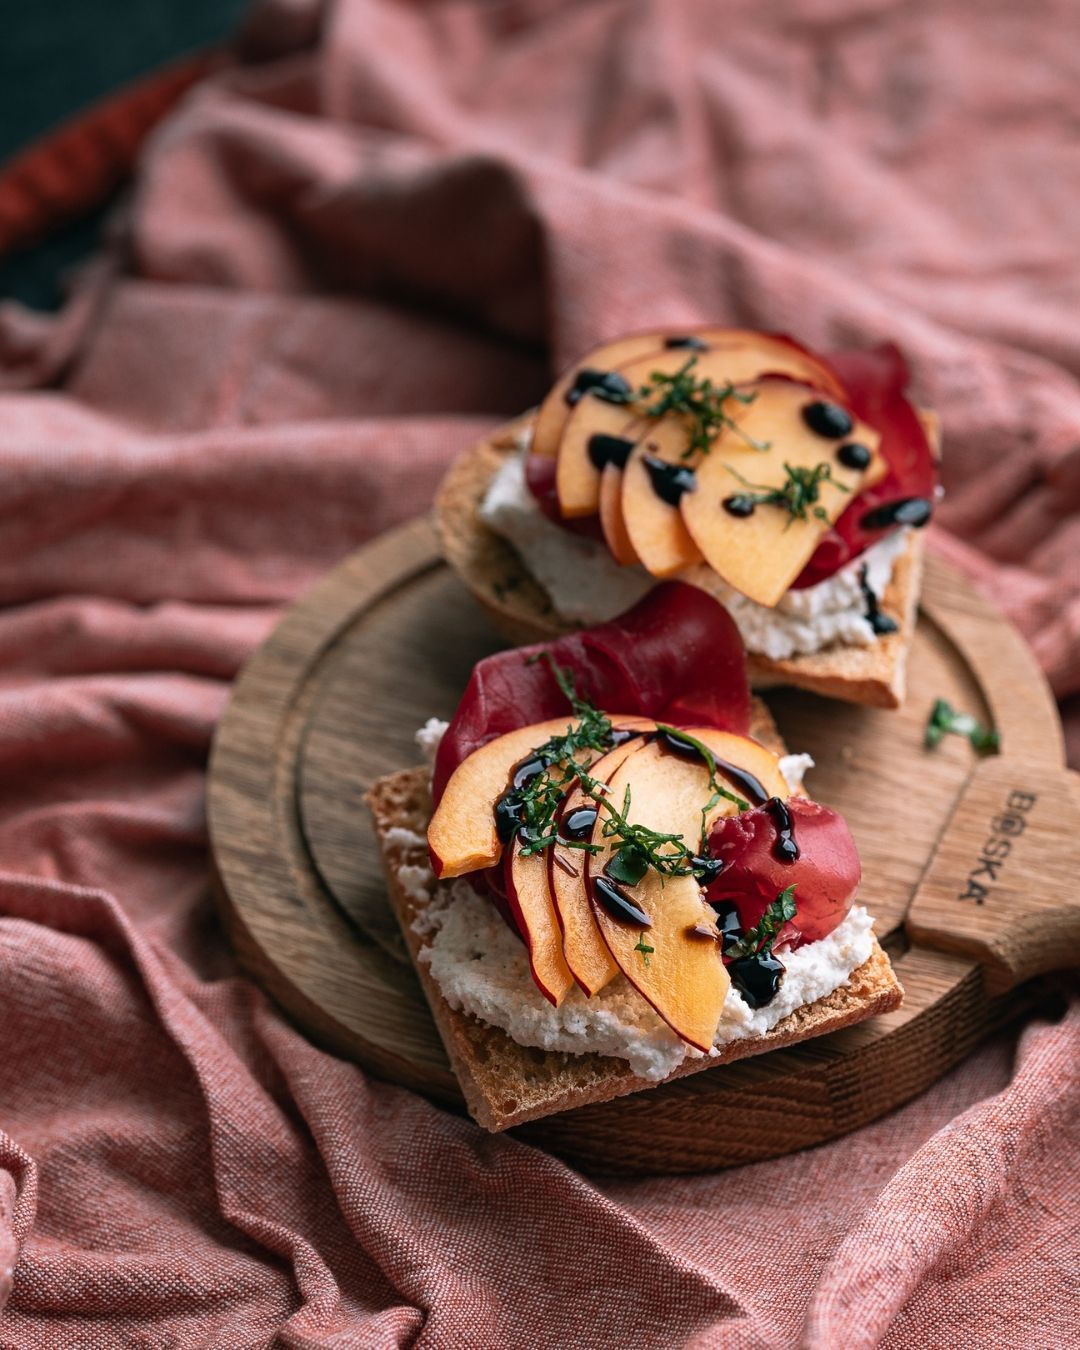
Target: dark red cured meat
540	480
826	873
876	380
676	655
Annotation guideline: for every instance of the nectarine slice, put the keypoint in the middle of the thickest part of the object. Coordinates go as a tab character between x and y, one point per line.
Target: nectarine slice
612	521
462	836
528	891
650	500
577	475
762	553
771	352
585	950
673	963
555	410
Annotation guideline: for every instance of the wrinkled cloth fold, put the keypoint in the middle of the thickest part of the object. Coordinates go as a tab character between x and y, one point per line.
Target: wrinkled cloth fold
345	256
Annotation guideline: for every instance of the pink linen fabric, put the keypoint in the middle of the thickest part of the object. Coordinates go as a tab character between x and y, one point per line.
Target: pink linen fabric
344	257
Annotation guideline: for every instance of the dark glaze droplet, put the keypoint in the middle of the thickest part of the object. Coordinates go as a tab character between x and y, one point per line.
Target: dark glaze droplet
606	384
670	481
507	816
785	848
880	623
527	770
739	505
578	825
695	344
618	904
852	455
605	450
828	419
908	511
677	745
741	779
744	782
706	869
757	978
727	921
620	735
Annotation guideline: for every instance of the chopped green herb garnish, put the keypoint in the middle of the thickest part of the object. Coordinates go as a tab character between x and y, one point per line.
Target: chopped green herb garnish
540	798
799	494
565	762
699	402
640	847
944	719
759	940
644	948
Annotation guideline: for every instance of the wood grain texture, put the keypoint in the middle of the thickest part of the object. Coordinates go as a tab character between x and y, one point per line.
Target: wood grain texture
330	703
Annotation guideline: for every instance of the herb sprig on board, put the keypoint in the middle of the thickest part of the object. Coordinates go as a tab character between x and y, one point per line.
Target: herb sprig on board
798	495
700	402
758	941
944	719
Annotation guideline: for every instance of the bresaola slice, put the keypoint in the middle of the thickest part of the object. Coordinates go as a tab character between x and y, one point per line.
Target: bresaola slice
826	872
675	656
876	381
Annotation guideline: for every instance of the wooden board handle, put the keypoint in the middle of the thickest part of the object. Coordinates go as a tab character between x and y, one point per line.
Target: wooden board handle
1003	886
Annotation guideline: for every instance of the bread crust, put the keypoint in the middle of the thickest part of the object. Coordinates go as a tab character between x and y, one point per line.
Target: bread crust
506	1084
521	610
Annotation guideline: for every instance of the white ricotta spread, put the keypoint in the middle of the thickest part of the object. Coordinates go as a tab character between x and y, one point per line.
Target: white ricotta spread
483	969
429	738
804	621
793	769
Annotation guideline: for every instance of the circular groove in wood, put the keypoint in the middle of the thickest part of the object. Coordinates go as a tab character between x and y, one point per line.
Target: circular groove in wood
332	700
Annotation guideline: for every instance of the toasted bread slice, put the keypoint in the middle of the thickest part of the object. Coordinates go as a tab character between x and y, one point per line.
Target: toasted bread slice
506	1084
522	610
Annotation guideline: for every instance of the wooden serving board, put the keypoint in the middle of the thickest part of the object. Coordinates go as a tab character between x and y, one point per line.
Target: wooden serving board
331	701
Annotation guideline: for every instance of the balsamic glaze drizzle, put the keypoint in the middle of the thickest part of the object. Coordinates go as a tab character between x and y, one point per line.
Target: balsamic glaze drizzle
852	455
748	786
828	419
606	384
785	848
604	450
669	481
618	904
738	504
757	978
578	825
914	511
689	341
727	921
879	622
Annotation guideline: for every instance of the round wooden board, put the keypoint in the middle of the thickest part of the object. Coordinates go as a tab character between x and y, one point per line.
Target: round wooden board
331	702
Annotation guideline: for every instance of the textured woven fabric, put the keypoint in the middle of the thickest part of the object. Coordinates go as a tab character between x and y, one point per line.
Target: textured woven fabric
344	258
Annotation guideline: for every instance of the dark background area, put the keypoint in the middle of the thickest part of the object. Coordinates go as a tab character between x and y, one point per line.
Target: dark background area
58	58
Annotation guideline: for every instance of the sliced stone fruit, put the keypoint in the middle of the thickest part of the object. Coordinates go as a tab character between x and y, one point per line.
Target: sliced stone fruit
578	468
528	892
462	836
656	476
674	962
585	950
612	521
555	409
761	548
721	355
